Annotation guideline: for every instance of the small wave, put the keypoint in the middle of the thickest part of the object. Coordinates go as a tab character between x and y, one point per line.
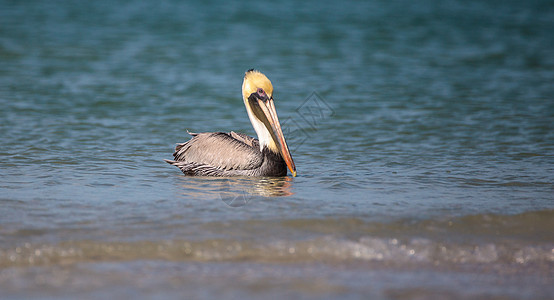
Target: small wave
484	238
326	249
499	182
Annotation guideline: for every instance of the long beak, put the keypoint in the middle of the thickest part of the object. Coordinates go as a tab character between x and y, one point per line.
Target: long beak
271	114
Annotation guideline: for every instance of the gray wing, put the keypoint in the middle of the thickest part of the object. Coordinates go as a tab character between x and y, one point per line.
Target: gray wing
217	154
250	141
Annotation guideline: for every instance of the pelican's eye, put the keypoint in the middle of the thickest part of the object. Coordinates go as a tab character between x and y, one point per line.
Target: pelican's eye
260	94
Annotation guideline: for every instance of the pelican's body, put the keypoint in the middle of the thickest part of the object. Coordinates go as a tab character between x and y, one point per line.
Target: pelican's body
236	154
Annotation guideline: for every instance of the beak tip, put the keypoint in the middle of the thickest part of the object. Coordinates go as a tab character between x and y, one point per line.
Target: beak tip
293	173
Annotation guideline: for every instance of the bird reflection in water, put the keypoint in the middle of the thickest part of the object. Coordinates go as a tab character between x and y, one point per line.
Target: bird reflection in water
237	191
241	191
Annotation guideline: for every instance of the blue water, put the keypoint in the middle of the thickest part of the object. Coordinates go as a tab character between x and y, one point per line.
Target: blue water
422	135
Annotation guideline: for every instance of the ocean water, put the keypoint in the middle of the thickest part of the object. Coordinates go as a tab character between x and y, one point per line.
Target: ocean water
422	132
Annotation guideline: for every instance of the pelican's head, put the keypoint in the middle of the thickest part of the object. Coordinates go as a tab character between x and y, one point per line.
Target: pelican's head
257	93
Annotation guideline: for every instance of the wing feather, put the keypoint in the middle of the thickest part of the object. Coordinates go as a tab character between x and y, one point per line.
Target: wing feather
219	150
250	141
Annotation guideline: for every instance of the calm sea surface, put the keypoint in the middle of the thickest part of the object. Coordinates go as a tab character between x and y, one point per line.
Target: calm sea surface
423	135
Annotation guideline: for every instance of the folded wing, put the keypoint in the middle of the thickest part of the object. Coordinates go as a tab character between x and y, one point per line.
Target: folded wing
217	153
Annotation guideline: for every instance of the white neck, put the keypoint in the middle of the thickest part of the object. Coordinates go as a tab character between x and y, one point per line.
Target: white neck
264	136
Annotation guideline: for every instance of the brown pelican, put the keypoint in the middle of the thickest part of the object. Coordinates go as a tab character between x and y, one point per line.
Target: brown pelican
236	154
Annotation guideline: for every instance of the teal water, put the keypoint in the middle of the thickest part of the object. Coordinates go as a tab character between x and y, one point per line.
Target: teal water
422	135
